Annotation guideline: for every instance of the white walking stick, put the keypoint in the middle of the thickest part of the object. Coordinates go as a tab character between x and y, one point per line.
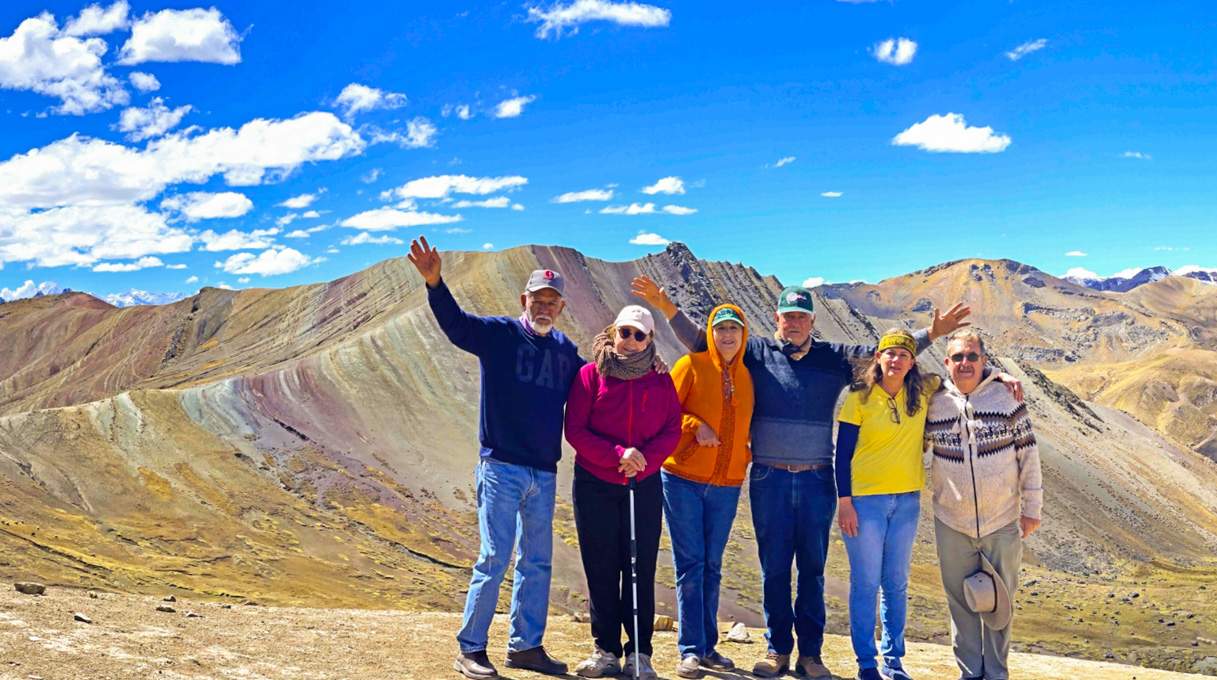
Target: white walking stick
634	571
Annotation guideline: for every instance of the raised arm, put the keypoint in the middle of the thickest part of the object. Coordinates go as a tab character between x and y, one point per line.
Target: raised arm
690	334
465	330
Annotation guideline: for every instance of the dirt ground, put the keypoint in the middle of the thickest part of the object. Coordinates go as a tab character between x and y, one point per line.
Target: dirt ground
129	638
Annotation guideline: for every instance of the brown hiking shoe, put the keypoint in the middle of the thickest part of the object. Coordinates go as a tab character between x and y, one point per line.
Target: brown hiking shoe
772	665
475	665
811	667
536	659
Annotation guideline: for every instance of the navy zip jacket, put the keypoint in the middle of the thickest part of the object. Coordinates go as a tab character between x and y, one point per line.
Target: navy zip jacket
525	380
795	398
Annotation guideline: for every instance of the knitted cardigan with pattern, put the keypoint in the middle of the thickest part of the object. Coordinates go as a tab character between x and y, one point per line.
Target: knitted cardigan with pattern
985	470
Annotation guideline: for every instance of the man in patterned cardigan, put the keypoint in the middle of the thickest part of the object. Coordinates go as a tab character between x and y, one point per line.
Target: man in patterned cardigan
988	494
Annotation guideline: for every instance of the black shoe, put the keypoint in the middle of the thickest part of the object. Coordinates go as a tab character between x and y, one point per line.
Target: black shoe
475	665
536	659
869	674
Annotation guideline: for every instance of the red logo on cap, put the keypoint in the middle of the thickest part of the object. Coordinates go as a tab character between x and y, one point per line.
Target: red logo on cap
549	275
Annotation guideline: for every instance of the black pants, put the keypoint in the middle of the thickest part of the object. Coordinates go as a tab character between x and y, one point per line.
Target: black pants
602	518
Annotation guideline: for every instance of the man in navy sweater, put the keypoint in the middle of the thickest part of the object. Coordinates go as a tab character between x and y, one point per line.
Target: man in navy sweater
797	382
527	369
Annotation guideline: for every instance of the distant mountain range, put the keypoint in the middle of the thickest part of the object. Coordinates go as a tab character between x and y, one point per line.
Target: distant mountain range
1131	278
135	297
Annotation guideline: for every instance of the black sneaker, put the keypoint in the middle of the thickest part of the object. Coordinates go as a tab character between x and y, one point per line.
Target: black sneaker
536	659
475	665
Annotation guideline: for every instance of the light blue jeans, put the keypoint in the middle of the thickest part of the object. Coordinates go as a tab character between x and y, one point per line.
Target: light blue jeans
513	501
699	523
879	560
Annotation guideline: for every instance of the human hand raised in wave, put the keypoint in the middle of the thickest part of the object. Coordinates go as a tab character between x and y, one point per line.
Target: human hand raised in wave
426	260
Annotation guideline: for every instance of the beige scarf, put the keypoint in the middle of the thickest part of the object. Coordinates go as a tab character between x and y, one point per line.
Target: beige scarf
623	367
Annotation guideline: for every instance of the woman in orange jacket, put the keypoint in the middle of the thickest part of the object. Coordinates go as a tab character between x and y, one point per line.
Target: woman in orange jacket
702	480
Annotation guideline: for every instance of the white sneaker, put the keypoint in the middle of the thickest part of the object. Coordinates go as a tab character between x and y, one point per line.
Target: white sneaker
645	672
598	665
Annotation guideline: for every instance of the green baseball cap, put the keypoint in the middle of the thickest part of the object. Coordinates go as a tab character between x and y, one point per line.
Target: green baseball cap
795	299
726	314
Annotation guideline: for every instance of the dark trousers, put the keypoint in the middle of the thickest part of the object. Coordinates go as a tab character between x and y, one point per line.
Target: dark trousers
602	518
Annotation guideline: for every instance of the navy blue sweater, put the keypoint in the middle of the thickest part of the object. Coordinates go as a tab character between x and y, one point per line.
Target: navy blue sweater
525	380
795	398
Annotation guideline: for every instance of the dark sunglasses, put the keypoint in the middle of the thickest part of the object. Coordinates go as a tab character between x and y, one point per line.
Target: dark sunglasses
626	331
972	357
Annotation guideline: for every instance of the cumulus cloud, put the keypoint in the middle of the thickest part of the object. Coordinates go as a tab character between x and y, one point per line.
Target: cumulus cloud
1080	273
237	240
182	35
1026	48
565	18
312	214
441	185
175	266
950	133
420	133
141	263
298	202
1137	155
144	82
154	121
667	185
896	52
364	237
299	233
201	205
371	175
831	194
40	58
1075	253
645	239
193	279
356	98
631	209
81	235
589	195
462	112
269	263
496	202
384	219
813	282
487	246
784	161
30	289
511	108
678	210
287	219
93	20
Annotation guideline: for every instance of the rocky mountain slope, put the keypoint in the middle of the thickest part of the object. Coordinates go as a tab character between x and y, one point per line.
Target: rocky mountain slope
315	445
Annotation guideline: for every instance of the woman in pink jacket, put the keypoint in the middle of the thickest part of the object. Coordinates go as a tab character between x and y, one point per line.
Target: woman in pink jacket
623	420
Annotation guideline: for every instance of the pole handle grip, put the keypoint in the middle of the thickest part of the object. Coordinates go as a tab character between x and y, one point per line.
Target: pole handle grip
633	482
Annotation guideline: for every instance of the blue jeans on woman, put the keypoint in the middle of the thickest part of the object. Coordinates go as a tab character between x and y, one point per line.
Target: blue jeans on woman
699	522
879	560
514	501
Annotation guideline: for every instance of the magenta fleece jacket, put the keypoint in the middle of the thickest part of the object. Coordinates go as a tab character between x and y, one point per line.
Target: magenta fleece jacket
605	416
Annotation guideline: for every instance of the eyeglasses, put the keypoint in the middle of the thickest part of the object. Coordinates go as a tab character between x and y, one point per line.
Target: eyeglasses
972	357
625	332
895	412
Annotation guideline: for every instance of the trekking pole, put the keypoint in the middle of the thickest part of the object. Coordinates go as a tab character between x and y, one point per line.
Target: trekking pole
634	570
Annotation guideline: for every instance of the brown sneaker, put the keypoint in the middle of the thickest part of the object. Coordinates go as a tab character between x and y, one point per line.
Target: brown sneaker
773	664
811	667
474	665
535	659
689	667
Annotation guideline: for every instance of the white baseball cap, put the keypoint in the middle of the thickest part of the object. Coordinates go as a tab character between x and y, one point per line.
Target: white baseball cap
636	317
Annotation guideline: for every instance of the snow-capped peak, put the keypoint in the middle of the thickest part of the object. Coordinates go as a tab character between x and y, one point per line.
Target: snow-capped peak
135	297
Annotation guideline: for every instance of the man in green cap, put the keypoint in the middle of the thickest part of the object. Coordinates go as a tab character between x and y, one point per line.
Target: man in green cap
796	382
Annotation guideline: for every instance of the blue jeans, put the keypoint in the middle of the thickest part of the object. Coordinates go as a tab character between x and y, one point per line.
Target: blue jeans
513	500
699	522
792	513
879	560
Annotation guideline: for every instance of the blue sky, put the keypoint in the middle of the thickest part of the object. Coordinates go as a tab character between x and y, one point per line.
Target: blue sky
841	140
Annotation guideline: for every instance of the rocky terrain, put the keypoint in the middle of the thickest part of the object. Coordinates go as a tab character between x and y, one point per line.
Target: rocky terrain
314	446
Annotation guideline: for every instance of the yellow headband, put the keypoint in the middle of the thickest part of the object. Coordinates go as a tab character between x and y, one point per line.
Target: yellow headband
901	341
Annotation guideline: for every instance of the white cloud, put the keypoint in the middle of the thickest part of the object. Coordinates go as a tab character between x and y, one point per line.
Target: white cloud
678	210
356	98
298	202
1170	248
564	19
286	219
144	82
1191	268
631	209
30	289
312	214
93	20
154	121
237	240
517	207
949	132
193	279
40	58
371	175
496	202
458	230
1080	273
268	263
243	279
420	133
175	266
667	185
813	282
141	263
384	219
1026	48
462	112
1075	253
589	195
784	161
83	234
364	237
896	52
182	35
511	108
831	194
1127	273
1136	154
331	250
442	185
200	205
645	239
299	233
487	246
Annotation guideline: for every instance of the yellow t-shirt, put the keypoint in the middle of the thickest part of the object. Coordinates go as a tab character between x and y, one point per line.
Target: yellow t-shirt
888	456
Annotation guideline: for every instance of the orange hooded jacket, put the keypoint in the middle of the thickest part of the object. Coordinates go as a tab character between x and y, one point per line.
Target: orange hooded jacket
720	395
